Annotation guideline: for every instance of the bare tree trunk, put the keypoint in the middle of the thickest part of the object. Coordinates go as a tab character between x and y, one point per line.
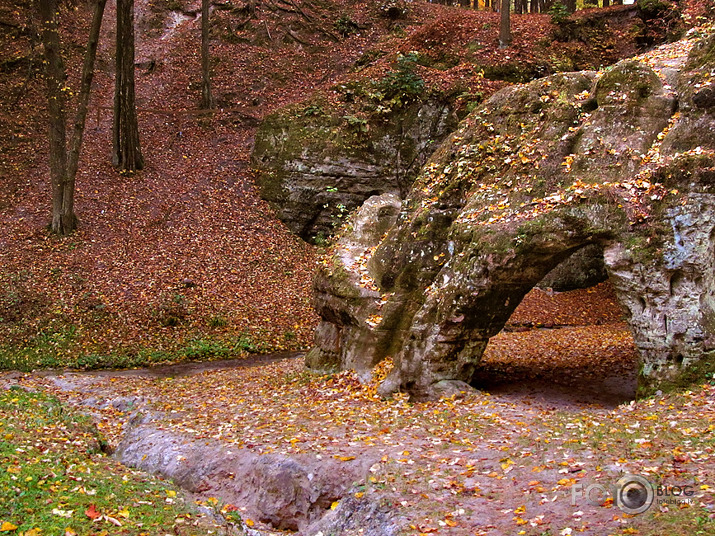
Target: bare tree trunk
83	102
534	7
505	25
570	5
206	97
126	150
606	3
62	221
63	165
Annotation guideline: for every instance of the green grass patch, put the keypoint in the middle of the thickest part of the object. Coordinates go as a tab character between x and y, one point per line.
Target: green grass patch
60	352
56	480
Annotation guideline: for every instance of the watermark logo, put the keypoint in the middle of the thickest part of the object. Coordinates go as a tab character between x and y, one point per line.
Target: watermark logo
633	494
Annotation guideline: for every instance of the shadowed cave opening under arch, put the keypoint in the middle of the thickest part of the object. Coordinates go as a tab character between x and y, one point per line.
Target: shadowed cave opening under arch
565	345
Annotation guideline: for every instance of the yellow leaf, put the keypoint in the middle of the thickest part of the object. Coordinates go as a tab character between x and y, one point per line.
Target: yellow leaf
450	522
170	493
345	458
334	505
359	494
7	527
123	513
70	532
249	522
520	510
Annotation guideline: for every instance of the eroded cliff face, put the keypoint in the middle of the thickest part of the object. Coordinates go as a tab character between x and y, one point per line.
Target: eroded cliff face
623	159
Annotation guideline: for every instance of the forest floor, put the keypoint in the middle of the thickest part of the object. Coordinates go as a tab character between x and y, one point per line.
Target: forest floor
184	261
512	458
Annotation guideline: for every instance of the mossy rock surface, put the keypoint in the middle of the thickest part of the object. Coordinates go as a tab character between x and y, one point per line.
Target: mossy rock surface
535	175
316	163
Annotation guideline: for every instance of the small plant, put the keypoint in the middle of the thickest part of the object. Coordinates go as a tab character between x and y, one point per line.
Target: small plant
474	46
203	350
312	110
356	124
246	343
346	26
338	215
217	321
559	13
172	310
321	240
400	86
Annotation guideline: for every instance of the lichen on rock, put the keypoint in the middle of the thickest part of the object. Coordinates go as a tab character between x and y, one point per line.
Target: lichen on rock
536	174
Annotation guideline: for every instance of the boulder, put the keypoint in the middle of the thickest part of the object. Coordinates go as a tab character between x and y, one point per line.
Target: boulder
287	492
621	160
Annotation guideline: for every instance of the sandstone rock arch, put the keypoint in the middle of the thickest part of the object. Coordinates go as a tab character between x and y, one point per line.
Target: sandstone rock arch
539	172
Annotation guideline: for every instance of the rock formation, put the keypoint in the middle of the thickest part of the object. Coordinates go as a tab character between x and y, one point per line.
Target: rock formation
623	159
315	167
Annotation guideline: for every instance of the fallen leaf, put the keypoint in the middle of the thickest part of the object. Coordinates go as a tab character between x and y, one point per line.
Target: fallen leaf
92	512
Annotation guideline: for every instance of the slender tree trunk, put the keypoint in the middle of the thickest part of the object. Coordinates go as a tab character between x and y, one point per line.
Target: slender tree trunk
83	103
534	7
63	222
63	165
126	150
570	5
505	25
206	97
606	3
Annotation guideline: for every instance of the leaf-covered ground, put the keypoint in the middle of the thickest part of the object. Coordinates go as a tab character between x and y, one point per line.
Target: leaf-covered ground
55	479
501	461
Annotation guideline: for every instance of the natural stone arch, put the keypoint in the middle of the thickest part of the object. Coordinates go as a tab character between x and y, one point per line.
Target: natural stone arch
537	173
483	286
